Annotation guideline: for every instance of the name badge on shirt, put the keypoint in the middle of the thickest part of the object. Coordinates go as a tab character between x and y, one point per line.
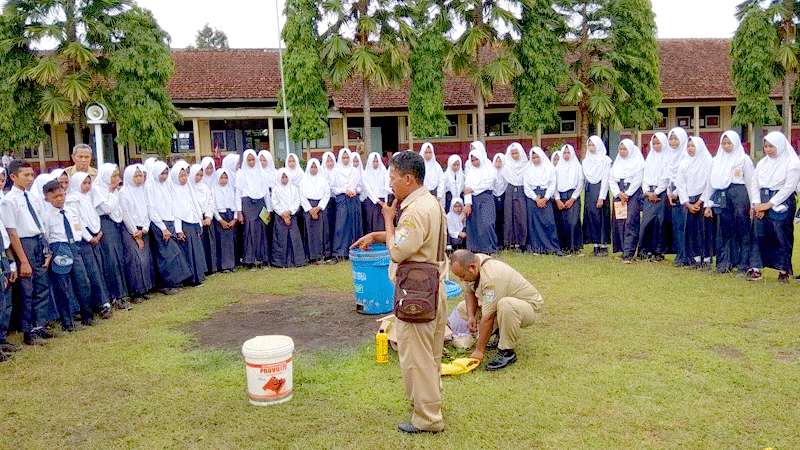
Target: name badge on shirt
737	172
488	297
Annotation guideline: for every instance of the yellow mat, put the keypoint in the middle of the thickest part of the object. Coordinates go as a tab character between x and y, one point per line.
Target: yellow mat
460	366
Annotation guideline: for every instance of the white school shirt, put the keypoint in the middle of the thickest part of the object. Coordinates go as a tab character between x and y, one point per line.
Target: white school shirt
53	224
15	214
4	233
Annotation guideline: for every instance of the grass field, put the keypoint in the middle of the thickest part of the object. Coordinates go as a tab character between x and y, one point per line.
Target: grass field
644	355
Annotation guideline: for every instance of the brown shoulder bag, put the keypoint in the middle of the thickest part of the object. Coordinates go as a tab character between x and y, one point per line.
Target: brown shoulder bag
416	292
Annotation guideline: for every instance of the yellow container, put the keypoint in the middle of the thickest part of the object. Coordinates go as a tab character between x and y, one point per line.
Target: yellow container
381	348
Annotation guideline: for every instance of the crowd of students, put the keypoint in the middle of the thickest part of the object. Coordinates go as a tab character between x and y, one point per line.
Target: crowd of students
83	245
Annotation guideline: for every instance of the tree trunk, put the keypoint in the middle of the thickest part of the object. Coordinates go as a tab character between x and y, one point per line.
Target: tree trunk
787	108
77	129
367	118
583	133
481	116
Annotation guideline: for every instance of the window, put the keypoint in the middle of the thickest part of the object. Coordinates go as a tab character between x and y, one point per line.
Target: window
33	153
452	129
663	123
568	122
183	140
709	117
498	124
239	135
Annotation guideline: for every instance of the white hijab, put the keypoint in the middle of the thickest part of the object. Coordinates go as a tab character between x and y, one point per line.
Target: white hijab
224	196
433	171
629	166
148	164
132	198
479	178
296	174
328	173
657	164
454	180
269	173
455	222
696	168
596	165
724	166
158	193
773	172
568	173
204	163
314	187
541	175
346	177
101	193
201	191
231	163
375	181
184	203
82	202
500	183
252	181
675	156
285	197
514	169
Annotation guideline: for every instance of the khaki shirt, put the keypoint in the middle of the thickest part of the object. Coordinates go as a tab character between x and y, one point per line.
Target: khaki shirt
70	171
418	231
498	280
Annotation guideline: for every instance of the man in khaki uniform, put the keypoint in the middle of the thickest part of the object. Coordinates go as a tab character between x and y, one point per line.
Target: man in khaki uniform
417	238
498	299
82	161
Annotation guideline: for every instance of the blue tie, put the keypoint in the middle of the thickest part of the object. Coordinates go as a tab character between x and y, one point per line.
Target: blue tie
33	212
67	228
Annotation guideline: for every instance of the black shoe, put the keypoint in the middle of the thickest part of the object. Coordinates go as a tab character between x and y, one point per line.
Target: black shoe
503	359
4	357
169	291
68	328
105	312
43	333
411	429
137	300
125	305
32	339
87	322
596	251
783	277
5	347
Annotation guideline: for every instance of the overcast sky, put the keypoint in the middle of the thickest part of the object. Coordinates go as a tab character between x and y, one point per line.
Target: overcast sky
253	24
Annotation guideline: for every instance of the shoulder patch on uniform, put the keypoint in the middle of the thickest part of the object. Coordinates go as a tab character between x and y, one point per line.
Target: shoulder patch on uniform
488	297
400	236
408	223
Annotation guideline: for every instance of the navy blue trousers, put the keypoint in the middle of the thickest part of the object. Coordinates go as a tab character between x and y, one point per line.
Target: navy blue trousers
33	293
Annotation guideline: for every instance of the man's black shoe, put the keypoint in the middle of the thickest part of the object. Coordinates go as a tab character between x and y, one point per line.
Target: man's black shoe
43	333
4	357
411	429
32	339
503	359
5	347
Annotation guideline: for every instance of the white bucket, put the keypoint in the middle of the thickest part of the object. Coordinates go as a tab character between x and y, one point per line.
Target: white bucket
268	366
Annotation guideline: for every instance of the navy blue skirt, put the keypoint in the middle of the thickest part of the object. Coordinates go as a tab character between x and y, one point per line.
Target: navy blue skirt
318	246
225	243
651	235
139	272
192	248
515	217
173	269
676	220
348	224
373	217
255	243
773	237
93	262
596	221
698	235
626	231
542	233
287	243
113	257
499	223
733	228
568	224
330	212
481	235
210	248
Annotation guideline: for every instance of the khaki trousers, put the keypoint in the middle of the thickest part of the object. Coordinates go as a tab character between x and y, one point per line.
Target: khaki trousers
419	346
513	314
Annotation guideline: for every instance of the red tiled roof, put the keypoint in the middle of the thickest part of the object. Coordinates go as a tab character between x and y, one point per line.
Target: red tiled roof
691	69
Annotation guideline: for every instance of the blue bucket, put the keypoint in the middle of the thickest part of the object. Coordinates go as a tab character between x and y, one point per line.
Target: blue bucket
373	291
453	289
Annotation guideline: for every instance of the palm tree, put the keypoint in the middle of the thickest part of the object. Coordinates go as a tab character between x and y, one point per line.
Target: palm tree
481	53
76	72
372	55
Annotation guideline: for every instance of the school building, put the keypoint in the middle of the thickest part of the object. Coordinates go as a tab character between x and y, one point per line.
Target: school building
228	101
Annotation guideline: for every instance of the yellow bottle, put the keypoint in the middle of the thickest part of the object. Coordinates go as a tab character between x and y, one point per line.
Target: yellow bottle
381	348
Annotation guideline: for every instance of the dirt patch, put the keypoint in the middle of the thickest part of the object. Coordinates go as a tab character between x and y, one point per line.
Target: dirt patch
315	321
728	352
787	355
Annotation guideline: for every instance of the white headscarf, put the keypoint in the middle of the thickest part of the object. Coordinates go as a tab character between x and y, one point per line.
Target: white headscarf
346	177
454	180
555	154
204	163
269	173
455	222
201	191
230	163
596	165
36	194
541	175
724	166
296	174
133	199
184	203
675	156
629	166
771	172
314	187
657	164
375	181
252	181
500	183
328	173
433	171
481	178
285	197
514	169
82	202
568	173
101	193
148	164
158	193
224	196
696	168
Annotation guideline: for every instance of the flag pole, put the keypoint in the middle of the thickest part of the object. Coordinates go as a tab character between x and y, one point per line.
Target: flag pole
283	85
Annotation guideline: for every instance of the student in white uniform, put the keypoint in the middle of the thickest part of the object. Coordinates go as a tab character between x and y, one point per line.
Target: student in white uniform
204	198
188	222
105	198
569	187
287	242
691	182
596	211
315	195
225	224
625	185
7	278
434	175
139	271
375	191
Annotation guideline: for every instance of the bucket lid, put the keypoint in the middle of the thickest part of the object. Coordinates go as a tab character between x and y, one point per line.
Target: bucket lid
374	251
267	346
